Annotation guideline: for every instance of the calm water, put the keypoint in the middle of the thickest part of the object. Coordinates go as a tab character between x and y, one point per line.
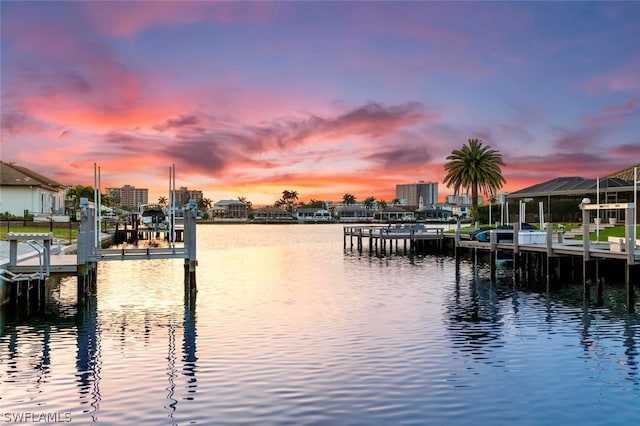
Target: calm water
288	328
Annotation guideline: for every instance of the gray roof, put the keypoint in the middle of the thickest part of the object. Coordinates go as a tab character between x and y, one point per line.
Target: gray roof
228	203
571	185
12	175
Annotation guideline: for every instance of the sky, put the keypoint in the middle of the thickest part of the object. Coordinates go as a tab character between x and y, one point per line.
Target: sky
248	99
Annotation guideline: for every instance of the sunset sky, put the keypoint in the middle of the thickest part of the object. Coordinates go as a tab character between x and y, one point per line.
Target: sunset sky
324	98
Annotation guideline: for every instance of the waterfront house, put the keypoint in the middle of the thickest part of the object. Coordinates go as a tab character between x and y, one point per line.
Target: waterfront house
229	209
24	190
351	214
561	197
396	214
268	214
436	213
313	215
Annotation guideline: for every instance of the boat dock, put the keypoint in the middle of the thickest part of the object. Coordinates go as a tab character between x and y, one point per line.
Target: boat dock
22	280
412	236
544	253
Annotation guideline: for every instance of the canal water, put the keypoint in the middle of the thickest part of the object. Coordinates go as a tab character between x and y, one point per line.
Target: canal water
290	328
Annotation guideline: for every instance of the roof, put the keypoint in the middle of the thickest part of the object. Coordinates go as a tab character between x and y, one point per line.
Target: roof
228	203
578	185
311	210
271	210
12	175
626	174
394	209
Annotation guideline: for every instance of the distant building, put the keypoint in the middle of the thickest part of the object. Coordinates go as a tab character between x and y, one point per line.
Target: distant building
396	214
23	189
437	213
355	213
418	194
312	214
184	194
462	200
272	214
229	209
129	196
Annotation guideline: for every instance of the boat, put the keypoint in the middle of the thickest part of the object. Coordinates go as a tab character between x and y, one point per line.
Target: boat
153	216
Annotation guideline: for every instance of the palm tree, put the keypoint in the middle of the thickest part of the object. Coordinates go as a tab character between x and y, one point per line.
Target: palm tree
162	200
475	168
368	202
289	198
348	199
246	202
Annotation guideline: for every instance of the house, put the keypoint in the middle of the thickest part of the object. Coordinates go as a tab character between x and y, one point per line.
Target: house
229	209
561	197
436	213
353	214
396	214
272	214
313	215
23	190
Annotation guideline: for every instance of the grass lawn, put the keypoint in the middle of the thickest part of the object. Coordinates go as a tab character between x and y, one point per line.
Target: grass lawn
616	231
60	231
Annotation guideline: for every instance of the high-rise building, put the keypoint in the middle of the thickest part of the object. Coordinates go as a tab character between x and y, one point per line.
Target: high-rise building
129	196
184	194
418	194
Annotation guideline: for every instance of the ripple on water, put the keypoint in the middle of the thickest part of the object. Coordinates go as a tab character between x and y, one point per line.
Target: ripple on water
297	331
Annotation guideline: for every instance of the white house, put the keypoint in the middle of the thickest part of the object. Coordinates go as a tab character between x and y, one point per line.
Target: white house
23	189
311	214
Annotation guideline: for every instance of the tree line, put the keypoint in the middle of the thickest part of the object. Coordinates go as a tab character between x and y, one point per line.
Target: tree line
473	168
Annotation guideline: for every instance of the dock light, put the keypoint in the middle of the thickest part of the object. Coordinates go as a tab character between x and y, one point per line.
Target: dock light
584	202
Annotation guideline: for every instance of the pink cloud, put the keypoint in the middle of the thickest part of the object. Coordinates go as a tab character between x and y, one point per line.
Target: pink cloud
624	79
127	19
614	113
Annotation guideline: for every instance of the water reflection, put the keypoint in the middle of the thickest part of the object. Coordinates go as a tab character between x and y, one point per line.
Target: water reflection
631	350
309	335
88	359
26	350
171	372
189	350
479	322
473	314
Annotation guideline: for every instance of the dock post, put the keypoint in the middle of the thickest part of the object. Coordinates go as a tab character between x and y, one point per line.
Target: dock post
41	294
630	289
516	247
549	228
630	212
190	221
586	253
82	278
600	290
493	252
456	240
85	245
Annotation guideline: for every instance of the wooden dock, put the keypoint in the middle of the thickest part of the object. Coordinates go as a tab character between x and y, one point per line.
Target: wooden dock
25	277
412	236
540	251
